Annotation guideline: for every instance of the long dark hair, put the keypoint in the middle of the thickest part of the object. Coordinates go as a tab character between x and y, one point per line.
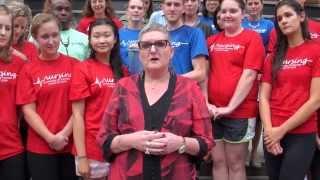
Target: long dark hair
5	51
115	60
150	9
282	40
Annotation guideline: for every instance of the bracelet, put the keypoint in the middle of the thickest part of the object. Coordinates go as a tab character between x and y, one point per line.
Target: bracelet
81	157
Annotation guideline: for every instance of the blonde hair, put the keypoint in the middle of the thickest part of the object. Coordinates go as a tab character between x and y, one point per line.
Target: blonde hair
5	51
19	9
38	20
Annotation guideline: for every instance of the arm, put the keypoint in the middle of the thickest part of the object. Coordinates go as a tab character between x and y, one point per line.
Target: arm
79	137
199	71
242	90
78	127
36	123
264	105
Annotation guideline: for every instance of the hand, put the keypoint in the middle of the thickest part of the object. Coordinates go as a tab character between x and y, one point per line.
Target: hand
222	111
58	141
167	144
140	140
275	149
84	167
212	109
318	141
273	135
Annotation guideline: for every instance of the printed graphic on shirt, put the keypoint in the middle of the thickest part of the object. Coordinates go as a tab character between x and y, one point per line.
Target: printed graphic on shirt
6	76
105	82
314	35
53	79
295	63
175	44
226	47
129	43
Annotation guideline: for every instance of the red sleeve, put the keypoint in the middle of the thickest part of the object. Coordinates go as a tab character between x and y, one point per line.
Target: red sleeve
316	67
109	124
31	51
255	53
272	41
26	92
79	88
82	26
117	22
267	70
202	128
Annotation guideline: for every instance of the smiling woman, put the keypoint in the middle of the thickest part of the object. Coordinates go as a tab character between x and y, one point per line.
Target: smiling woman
95	9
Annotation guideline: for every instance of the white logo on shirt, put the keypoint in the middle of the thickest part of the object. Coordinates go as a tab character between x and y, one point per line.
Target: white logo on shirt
260	30
226	47
128	43
5	76
53	79
314	35
295	63
108	82
178	44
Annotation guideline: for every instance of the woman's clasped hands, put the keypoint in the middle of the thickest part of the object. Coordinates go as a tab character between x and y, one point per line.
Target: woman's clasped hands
156	143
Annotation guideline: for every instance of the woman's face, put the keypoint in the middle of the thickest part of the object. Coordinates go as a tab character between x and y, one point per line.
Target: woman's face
254	7
5	30
191	7
20	25
48	38
102	39
147	4
155	51
231	15
288	19
211	5
98	6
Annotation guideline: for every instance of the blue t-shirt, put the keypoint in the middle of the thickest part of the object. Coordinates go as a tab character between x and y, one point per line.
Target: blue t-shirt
129	49
188	43
263	27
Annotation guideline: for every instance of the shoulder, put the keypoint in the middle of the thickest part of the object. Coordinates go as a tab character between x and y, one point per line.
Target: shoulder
78	34
186	83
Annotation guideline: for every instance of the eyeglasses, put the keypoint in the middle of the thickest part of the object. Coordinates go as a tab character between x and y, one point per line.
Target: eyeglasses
159	44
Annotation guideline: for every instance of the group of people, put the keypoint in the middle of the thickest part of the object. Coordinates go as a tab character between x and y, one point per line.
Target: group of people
150	94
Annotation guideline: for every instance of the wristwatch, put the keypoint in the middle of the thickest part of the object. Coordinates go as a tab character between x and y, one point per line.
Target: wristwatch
182	149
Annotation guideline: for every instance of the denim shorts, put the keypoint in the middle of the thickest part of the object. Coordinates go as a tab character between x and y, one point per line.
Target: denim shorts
234	130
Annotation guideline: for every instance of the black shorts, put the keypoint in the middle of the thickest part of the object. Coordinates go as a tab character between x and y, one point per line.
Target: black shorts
234	130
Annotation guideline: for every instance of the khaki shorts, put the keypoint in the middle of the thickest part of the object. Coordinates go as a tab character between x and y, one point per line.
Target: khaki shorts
98	169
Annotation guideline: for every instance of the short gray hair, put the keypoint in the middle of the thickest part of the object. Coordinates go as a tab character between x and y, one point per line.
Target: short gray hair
154	27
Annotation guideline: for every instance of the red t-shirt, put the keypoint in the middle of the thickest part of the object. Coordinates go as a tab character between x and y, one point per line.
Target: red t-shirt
291	89
46	83
94	82
10	139
84	24
229	56
28	49
313	27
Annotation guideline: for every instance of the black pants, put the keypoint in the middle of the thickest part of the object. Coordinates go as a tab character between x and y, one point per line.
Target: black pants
51	167
295	161
12	168
315	166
